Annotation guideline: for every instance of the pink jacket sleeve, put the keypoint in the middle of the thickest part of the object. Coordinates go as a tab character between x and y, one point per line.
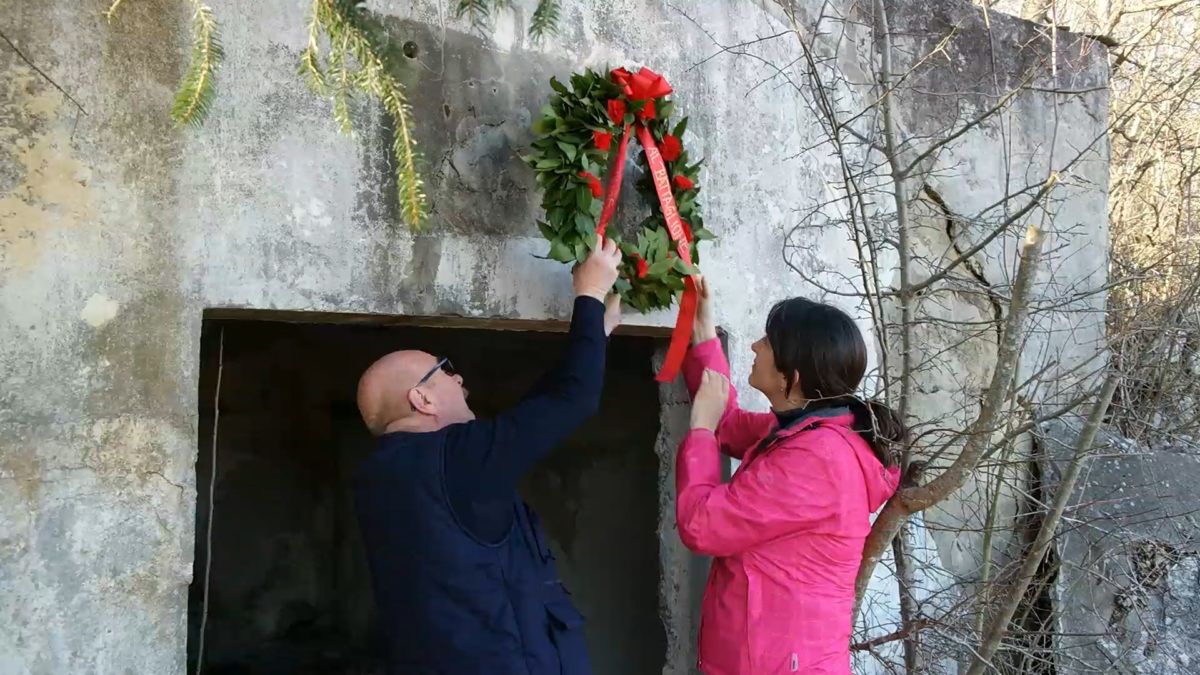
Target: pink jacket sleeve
782	492
738	430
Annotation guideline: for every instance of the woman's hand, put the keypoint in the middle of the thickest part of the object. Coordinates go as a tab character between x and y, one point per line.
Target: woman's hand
709	404
703	328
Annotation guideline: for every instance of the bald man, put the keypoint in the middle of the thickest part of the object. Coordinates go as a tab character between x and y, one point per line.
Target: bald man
464	580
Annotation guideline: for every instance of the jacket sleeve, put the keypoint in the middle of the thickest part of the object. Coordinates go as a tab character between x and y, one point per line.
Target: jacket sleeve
488	457
785	491
738	430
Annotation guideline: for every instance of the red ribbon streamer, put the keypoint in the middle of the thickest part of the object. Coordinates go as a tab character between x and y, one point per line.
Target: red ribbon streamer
614	185
647	87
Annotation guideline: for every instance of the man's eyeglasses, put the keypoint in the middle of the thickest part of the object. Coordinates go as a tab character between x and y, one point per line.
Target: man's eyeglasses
444	365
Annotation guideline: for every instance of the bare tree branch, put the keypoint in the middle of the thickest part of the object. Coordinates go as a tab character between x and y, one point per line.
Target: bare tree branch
1046	533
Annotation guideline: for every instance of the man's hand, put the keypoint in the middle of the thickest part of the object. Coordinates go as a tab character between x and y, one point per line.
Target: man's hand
612	313
596	276
703	328
709	404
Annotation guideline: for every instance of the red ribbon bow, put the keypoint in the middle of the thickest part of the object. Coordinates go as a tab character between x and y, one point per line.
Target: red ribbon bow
647	85
643	85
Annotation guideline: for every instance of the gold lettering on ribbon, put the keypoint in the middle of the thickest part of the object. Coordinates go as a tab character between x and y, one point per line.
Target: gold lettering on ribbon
662	185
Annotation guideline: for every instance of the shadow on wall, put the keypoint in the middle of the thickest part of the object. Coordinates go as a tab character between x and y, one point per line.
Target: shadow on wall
289	590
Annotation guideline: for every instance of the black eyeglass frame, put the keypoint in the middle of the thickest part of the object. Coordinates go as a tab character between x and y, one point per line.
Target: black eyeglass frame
443	363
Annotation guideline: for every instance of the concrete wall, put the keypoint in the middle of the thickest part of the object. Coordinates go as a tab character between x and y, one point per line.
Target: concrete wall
117	230
1127	588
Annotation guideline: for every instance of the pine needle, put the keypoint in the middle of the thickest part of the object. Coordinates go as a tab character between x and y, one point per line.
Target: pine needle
112	9
545	19
195	94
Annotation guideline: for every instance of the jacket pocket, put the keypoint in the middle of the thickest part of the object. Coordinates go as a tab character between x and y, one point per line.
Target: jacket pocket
566	632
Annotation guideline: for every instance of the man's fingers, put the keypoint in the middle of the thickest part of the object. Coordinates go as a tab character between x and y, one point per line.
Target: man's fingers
612	313
610	246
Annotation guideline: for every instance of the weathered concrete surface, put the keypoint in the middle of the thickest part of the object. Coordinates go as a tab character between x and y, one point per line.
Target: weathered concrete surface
1128	589
97	349
117	230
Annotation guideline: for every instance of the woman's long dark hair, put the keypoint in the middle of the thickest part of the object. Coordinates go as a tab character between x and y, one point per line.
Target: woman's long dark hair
821	346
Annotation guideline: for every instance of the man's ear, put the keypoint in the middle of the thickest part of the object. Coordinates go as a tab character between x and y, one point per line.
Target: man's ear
421	401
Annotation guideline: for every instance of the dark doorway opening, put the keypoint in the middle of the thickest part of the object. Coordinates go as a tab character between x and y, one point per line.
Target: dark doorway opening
289	591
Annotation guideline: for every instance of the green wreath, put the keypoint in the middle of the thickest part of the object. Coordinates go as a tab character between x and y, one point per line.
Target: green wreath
574	145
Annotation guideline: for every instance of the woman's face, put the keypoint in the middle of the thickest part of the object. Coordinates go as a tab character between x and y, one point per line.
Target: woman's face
764	376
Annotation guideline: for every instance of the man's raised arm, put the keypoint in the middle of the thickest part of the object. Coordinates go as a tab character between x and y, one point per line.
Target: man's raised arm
493	454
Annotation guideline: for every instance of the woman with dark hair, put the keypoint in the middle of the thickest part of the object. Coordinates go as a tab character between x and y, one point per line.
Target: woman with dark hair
787	532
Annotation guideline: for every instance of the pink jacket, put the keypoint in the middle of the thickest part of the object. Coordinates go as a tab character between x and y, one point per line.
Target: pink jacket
786	534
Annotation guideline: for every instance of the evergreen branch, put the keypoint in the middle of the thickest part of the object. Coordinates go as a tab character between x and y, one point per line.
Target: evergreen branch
310	65
112	10
543	22
341	84
478	11
347	34
545	19
195	94
408	181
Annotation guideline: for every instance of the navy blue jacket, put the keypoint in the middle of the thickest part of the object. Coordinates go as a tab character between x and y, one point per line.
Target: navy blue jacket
464	579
